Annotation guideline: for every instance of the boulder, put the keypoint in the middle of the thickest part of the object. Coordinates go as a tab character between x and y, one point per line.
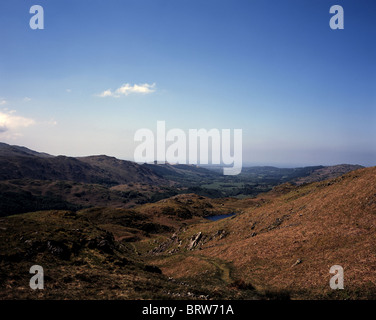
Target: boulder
194	241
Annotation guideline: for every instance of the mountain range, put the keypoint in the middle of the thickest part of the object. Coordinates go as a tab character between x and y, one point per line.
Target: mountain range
106	228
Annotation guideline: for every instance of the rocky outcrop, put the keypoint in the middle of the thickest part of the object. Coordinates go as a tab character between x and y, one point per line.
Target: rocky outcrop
105	244
194	241
58	249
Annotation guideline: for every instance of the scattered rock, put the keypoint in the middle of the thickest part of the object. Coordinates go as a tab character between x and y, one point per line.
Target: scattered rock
221	234
58	249
194	241
105	244
299	261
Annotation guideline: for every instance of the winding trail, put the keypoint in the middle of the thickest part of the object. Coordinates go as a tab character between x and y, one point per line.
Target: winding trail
134	248
221	266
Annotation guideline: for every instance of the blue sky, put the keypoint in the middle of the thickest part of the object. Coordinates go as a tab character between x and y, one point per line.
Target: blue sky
302	93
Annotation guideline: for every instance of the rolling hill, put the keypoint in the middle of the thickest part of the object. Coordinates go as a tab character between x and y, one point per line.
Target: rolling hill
7	150
280	244
20	163
32	181
287	244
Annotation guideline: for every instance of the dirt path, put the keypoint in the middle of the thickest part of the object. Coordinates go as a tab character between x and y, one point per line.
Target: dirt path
224	269
220	265
134	248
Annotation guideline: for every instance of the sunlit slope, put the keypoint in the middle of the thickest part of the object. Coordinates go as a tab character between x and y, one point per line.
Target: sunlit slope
290	242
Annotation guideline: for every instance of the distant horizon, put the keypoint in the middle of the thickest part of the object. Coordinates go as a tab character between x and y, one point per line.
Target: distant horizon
245	164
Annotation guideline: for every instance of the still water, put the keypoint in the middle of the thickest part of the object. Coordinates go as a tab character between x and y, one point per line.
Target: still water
219	217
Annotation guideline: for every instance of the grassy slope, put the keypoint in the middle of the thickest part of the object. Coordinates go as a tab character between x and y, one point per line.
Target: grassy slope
82	261
321	224
77	265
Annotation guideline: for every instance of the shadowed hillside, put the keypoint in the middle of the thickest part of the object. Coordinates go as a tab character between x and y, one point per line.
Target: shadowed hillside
82	259
20	163
7	150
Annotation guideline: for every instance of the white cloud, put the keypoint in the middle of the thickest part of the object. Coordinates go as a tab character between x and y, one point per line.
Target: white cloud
69	90
2	102
106	93
127	89
10	121
27	99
